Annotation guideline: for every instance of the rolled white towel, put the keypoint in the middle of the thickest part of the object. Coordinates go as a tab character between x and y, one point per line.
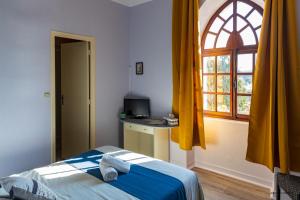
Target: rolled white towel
108	173
118	164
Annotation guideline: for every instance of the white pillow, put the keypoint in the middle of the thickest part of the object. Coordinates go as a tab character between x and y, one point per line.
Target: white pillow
25	188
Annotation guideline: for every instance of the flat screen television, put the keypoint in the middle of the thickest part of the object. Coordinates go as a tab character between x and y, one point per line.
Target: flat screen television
137	107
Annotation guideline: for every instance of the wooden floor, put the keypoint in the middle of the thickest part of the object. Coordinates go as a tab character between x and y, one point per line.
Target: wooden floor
220	187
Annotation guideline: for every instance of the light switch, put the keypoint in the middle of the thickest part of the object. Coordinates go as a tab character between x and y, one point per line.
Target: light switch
47	94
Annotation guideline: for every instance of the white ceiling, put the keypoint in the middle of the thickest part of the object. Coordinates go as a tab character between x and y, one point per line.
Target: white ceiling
131	3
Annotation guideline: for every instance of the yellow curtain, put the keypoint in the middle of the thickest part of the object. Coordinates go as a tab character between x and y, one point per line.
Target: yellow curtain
187	89
274	129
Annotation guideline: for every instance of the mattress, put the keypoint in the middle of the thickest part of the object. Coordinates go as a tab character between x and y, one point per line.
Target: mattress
70	181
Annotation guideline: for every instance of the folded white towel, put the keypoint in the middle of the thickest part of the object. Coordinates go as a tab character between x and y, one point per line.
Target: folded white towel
116	163
108	173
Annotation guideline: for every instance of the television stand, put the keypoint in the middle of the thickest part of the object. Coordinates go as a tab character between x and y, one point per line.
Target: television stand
148	136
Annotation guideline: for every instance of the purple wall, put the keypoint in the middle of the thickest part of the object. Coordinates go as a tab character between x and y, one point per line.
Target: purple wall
124	36
151	42
25	72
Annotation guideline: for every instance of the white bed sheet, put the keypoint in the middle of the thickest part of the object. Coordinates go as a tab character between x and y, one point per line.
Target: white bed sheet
71	183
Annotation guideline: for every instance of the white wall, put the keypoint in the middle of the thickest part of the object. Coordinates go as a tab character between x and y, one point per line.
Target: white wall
25	72
226	142
227	139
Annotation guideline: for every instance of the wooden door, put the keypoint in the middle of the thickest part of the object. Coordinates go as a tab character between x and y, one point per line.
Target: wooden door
75	98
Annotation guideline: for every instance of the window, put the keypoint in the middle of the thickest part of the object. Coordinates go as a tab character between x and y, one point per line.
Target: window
228	47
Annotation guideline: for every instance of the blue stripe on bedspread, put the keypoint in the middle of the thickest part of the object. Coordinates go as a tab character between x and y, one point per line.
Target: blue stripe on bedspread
141	182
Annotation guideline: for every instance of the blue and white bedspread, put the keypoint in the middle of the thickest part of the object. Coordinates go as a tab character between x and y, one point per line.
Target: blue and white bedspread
79	178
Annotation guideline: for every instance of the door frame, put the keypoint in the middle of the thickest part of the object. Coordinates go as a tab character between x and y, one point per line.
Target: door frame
92	41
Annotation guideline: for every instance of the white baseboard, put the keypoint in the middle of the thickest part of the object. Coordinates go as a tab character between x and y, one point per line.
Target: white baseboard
183	164
191	165
235	174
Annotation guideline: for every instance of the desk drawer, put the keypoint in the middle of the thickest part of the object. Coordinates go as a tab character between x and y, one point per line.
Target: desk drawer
139	128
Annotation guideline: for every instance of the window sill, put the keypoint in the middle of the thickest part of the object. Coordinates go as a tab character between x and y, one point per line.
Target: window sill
229	120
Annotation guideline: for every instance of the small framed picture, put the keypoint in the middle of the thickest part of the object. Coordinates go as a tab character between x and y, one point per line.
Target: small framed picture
139	68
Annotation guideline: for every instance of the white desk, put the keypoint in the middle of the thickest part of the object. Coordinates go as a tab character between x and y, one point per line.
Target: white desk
142	136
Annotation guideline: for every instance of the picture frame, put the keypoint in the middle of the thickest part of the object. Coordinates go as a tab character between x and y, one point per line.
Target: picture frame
139	68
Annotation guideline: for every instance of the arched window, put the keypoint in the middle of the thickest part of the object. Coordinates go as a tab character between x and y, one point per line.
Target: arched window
228	48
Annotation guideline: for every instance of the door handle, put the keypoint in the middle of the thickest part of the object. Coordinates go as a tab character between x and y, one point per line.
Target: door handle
62	100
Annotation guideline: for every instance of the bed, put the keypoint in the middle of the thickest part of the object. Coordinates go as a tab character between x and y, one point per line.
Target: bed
79	178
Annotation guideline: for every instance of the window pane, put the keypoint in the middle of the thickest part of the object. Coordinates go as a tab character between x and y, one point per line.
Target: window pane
243	105
222	39
216	25
229	25
227	12
244	84
245	63
241	23
209	102
258	33
255	18
209	64
223	64
223	83
209	83
209	41
223	103
248	36
243	8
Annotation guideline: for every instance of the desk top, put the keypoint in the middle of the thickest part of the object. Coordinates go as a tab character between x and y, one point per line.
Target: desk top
157	123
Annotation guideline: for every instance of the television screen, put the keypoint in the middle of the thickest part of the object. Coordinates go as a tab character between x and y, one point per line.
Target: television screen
137	108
